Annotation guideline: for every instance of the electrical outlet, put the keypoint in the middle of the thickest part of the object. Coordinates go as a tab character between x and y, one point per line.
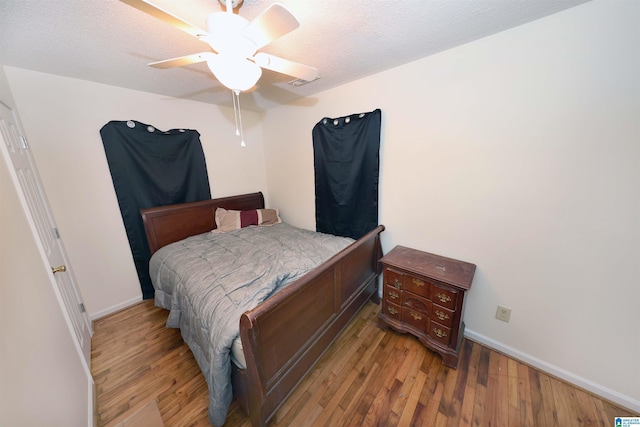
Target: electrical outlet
503	313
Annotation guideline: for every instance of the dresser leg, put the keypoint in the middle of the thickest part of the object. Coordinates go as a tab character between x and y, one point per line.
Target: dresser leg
382	325
450	360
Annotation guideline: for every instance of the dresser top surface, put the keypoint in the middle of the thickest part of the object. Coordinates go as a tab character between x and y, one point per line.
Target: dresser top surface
446	270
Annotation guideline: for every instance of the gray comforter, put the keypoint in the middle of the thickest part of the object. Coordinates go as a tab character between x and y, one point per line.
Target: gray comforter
208	281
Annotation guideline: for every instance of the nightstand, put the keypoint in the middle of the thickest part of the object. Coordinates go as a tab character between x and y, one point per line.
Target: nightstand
423	294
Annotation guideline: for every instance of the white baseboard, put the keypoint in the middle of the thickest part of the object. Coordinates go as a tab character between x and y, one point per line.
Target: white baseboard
604	392
107	311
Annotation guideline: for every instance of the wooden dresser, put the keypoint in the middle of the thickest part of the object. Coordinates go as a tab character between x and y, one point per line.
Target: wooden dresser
423	294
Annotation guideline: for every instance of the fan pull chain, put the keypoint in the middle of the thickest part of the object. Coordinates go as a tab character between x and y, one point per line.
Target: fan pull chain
235	111
238	116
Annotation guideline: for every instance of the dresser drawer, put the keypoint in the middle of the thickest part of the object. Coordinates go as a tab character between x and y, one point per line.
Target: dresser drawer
392	310
445	297
393	278
416	285
416	302
415	318
442	315
439	332
392	294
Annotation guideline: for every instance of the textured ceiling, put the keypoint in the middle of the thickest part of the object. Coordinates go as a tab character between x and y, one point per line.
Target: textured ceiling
109	42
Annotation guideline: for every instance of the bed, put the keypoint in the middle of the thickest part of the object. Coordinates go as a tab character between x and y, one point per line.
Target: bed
271	360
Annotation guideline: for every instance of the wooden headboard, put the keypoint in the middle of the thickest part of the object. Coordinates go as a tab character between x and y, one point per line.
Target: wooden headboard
168	224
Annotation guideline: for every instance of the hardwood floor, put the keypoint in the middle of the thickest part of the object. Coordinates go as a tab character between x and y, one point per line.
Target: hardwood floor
368	377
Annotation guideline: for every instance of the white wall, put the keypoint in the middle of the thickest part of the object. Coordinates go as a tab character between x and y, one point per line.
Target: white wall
42	381
520	153
62	118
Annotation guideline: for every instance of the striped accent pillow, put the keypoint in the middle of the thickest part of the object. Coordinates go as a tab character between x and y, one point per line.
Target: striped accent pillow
227	220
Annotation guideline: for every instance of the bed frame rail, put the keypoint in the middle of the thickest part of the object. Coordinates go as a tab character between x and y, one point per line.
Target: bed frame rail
285	336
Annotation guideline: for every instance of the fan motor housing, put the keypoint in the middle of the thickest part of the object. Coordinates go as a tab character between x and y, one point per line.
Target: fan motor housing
234	3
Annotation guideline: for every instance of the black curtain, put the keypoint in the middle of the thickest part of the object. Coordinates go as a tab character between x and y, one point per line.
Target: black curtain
347	162
152	168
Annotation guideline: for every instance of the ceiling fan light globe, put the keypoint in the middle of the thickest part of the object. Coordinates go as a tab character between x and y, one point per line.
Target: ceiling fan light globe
235	74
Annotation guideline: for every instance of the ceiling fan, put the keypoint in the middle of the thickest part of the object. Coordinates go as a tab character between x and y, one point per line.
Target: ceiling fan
234	58
234	41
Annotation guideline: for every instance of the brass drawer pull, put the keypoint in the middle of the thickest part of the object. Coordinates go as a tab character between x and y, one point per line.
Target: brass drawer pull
392	310
393	295
441	315
416	316
439	332
418	282
396	283
443	297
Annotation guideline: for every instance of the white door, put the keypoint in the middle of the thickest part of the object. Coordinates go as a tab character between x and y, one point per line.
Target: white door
16	152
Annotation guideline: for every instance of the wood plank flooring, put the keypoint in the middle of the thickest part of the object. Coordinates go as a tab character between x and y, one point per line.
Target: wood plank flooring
367	378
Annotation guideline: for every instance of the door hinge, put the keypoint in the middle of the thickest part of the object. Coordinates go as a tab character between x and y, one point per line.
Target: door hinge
56	233
24	142
82	309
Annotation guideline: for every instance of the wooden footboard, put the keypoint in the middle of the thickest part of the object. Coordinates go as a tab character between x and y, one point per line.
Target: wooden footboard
286	335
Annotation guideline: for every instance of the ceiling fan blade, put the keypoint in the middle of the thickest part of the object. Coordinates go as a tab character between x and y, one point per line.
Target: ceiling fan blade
284	66
183	60
271	24
165	16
